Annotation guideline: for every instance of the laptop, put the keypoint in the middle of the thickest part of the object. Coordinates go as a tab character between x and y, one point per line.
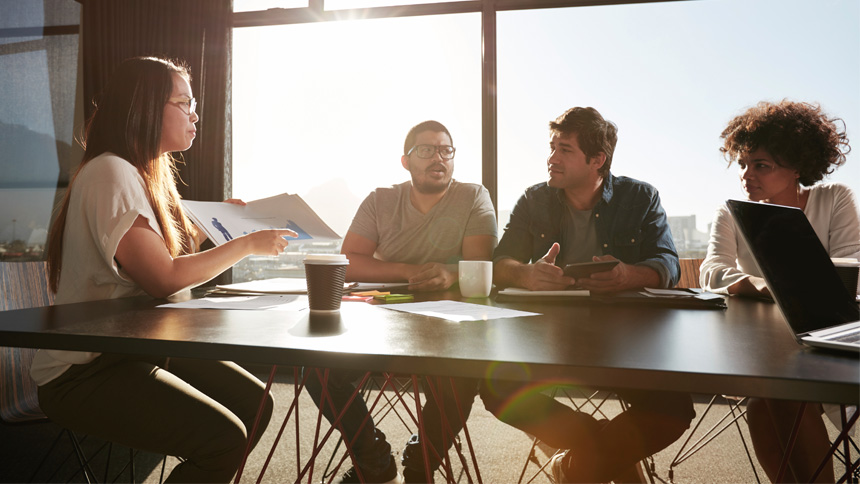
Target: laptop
800	275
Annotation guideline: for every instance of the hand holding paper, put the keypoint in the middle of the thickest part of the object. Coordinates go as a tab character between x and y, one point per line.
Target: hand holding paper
225	221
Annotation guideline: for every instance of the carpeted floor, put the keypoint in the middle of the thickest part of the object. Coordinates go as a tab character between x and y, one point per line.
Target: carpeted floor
504	454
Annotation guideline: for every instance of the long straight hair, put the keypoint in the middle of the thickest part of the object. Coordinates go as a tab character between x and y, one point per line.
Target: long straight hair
127	122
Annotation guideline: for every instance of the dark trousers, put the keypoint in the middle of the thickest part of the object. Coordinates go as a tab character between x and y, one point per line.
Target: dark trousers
600	450
199	410
369	447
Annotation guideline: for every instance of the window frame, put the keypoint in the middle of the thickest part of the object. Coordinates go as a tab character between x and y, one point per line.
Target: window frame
316	12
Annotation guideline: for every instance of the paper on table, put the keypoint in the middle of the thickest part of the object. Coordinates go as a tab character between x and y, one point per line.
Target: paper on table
650	291
277	285
516	291
668	292
707	296
458	311
279	302
225	221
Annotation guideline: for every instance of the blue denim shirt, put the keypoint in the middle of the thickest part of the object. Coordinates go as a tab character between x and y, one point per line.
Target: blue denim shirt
631	226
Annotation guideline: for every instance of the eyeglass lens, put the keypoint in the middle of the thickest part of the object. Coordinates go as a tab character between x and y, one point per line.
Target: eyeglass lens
189	104
427	151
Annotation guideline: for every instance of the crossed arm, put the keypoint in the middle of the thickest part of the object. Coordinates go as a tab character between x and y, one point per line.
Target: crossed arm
432	276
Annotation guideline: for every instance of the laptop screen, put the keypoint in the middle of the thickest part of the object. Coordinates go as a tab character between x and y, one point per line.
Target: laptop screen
797	268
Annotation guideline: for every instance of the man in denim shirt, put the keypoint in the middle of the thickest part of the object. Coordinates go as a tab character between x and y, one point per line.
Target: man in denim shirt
583	213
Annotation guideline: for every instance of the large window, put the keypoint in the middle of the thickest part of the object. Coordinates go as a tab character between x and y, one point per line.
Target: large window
38	59
671	75
322	110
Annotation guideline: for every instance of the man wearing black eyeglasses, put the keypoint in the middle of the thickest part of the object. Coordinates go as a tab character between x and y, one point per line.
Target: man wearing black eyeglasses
418	230
415	232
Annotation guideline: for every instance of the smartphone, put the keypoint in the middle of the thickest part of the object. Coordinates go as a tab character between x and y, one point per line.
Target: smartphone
585	269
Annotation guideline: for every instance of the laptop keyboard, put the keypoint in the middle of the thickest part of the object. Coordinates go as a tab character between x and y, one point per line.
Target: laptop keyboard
849	337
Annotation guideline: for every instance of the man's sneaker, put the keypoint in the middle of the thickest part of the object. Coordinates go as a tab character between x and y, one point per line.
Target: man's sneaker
555	464
387	476
411	476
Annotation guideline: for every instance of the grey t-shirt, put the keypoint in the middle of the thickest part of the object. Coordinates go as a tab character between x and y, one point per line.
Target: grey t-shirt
580	237
404	234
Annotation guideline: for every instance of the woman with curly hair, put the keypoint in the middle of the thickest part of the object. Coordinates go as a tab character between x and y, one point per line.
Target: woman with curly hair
783	150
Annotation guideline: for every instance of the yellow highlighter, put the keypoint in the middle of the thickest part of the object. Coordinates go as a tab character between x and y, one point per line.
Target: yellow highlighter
394	298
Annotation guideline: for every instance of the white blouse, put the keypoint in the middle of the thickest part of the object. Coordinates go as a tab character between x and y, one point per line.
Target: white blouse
107	196
832	211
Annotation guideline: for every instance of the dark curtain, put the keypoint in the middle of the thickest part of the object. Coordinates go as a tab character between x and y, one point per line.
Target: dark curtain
198	32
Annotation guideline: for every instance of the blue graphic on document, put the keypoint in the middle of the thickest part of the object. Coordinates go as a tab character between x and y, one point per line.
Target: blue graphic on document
224	232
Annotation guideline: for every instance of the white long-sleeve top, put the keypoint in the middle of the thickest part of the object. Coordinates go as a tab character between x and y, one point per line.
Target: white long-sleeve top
832	211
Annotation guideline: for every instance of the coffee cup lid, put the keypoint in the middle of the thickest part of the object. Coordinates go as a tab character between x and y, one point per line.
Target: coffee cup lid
326	259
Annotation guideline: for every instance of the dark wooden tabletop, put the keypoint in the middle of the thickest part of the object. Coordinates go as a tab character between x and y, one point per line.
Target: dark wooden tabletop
745	349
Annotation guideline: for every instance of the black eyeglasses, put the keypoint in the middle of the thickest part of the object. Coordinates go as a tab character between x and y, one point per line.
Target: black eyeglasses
427	151
189	103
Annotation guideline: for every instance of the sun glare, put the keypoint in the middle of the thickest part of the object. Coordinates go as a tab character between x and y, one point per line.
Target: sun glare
321	110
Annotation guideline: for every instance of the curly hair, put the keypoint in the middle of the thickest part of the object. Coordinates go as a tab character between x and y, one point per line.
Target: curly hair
797	135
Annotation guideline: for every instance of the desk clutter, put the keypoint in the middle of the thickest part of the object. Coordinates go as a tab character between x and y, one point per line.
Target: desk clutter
679	298
385	293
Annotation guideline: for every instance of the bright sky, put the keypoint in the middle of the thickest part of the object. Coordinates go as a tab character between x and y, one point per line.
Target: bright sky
328	120
671	76
321	110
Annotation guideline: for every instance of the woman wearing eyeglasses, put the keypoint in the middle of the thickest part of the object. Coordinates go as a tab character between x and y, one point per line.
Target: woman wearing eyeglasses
121	232
783	150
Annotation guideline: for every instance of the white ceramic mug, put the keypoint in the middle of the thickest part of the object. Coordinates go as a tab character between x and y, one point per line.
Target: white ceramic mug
476	278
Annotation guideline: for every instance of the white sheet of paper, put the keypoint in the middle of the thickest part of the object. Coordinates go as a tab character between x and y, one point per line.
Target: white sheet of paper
457	311
669	292
279	302
516	291
277	285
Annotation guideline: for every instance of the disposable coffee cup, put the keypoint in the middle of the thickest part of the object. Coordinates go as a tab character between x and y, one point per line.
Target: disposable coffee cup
476	278
325	274
848	270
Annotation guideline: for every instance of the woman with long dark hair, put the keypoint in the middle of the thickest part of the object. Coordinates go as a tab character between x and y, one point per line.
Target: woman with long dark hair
121	231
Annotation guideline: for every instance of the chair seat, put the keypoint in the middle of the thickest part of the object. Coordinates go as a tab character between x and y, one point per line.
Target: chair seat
18	398
22	285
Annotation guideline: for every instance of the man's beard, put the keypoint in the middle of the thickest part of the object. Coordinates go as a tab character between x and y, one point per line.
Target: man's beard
429	187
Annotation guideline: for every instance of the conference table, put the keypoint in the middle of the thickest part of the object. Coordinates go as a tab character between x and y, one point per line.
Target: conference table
744	349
